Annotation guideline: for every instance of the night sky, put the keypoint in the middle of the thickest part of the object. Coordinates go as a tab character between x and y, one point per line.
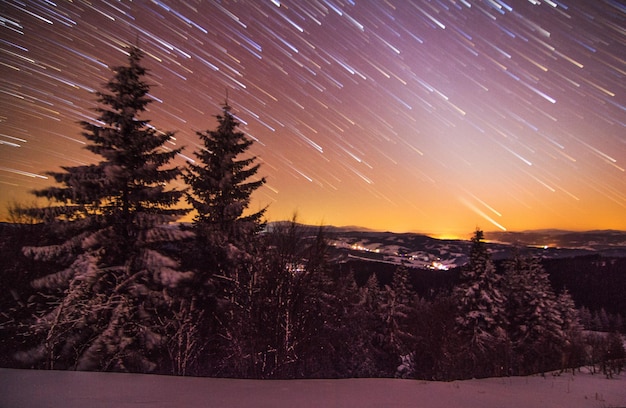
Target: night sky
429	116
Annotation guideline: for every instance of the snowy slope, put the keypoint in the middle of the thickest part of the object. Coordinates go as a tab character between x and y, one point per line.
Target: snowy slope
420	251
70	389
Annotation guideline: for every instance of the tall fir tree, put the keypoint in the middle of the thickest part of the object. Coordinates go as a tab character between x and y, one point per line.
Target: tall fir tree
396	309
110	305
481	314
221	185
220	193
369	315
570	316
225	256
340	341
572	343
535	324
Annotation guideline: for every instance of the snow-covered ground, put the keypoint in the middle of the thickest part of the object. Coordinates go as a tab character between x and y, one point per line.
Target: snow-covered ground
69	389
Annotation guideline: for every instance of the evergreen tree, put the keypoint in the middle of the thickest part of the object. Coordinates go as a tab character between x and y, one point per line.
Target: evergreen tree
110	306
572	343
436	343
371	295
481	314
226	251
345	347
570	317
396	312
535	322
375	356
220	182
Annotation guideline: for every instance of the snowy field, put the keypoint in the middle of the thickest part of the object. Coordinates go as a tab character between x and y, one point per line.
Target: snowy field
70	389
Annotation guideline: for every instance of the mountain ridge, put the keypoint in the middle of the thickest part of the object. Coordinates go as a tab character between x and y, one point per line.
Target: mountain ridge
423	251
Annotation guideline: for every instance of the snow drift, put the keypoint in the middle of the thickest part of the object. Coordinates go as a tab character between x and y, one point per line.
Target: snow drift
38	389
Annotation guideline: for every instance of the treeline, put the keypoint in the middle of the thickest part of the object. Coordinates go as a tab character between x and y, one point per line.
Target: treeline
104	279
282	311
596	283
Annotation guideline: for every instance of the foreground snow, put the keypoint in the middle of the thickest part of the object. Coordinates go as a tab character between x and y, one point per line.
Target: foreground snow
33	389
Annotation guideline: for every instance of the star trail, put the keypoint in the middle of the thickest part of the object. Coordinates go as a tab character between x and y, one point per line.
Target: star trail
432	116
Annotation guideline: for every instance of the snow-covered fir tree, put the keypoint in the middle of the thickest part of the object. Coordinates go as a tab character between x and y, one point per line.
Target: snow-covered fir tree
481	311
344	341
535	322
221	182
371	295
395	312
226	253
221	187
570	316
372	333
107	305
571	347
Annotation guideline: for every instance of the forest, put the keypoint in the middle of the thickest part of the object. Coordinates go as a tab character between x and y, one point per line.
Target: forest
104	278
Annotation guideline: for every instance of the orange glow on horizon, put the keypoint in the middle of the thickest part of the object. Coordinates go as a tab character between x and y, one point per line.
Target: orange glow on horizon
353	124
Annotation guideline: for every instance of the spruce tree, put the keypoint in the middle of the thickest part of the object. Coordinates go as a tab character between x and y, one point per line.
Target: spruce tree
111	219
343	346
571	344
535	323
481	315
396	312
226	253
221	185
372	332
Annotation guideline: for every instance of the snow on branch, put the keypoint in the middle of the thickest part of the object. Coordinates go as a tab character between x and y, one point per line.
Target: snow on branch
163	268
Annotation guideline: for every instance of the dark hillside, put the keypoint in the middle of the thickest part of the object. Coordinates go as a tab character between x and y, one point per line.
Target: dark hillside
594	281
425	282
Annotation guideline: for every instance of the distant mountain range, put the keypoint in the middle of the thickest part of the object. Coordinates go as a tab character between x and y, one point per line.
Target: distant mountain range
599	241
422	251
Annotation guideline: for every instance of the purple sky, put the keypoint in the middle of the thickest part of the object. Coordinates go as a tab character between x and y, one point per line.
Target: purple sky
431	116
